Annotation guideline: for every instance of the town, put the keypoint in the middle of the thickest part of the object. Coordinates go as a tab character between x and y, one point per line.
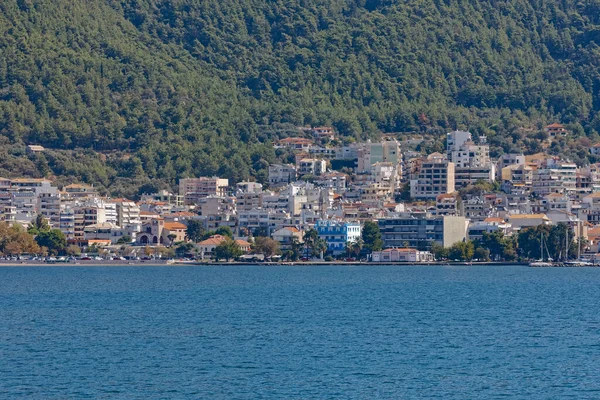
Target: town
378	201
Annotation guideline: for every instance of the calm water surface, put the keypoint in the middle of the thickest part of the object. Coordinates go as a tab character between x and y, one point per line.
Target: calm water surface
299	332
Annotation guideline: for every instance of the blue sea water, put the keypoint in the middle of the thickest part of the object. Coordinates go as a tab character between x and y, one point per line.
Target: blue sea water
324	332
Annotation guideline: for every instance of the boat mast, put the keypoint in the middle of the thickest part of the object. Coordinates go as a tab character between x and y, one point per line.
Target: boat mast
578	240
567	243
542	246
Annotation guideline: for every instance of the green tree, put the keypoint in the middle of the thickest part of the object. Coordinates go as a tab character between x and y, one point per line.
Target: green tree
310	238
266	246
439	252
125	239
224	231
38	224
171	237
371	236
54	240
195	230
481	254
357	247
295	250
463	251
228	250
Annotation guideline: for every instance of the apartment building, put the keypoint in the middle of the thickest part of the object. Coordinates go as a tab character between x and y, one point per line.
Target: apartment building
194	189
435	177
420	230
281	174
338	234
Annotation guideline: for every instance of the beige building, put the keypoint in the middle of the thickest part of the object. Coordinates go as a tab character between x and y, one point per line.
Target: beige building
193	189
519	221
435	177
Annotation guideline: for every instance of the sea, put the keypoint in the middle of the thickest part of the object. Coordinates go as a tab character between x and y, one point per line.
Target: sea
299	332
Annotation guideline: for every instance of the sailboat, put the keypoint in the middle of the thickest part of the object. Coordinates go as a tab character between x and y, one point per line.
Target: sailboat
541	262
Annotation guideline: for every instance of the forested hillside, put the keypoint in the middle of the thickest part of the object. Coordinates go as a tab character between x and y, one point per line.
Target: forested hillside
133	93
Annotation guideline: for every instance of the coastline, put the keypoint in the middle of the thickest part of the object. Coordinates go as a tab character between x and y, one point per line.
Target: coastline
158	263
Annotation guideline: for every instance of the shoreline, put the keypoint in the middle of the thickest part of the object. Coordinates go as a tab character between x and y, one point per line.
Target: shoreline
154	263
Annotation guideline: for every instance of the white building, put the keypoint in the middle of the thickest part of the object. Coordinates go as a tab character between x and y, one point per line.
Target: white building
281	174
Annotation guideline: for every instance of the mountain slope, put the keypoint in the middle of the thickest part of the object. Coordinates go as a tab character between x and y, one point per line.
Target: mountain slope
173	88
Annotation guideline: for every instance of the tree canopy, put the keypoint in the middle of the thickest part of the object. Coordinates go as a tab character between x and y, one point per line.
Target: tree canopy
132	95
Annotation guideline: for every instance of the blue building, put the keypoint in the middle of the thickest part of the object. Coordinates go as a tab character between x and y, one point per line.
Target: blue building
337	234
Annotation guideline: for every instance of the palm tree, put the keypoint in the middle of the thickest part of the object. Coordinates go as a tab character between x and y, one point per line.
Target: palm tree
171	237
310	240
357	247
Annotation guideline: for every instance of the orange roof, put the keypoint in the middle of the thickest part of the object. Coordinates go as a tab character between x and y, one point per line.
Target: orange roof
293	140
292	229
174	225
555	125
242	243
98	241
183	214
215	240
593	232
494	219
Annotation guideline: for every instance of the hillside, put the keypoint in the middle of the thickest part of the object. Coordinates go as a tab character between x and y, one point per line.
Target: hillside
141	93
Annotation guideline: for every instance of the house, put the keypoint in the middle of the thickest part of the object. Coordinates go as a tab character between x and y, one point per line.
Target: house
556	130
207	247
595	149
244	245
285	236
323	132
401	255
34	149
174	228
295	143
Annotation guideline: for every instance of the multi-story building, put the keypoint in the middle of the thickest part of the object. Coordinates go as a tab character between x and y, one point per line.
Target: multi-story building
455	141
446	204
78	191
248	187
556	130
334	180
338	234
49	205
164	196
295	143
554	176
281	174
193	189
372	153
436	176
507	160
323	132
469	175
311	166
420	230
128	213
